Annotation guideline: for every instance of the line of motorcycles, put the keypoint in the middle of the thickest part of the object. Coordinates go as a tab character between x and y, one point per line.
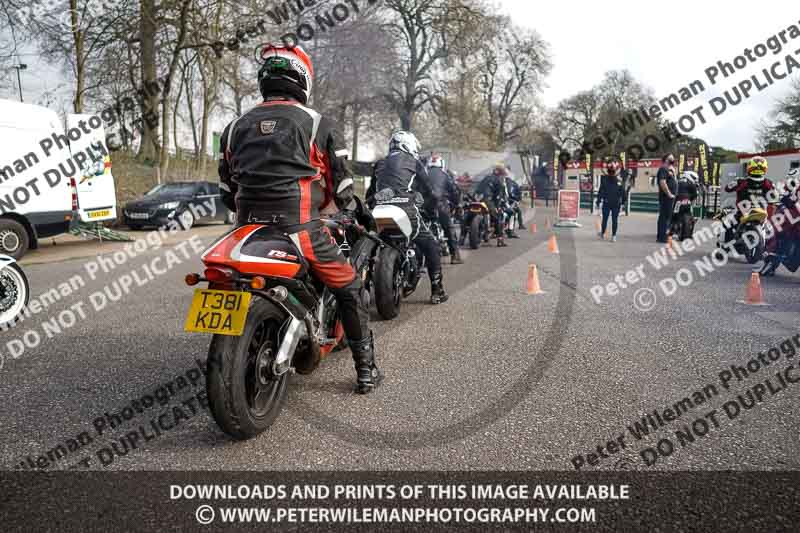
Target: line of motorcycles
475	220
270	317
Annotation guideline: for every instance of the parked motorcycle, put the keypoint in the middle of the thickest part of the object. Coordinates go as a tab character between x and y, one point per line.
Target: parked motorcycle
14	291
683	220
475	224
400	262
787	245
748	237
268	316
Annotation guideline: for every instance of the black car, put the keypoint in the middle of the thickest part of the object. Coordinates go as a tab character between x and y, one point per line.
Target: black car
188	202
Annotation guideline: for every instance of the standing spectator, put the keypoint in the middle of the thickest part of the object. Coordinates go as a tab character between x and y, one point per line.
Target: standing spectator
612	195
667	189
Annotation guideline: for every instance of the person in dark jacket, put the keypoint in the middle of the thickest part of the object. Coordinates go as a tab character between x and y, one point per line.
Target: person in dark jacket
612	195
281	162
667	189
493	190
405	176
445	188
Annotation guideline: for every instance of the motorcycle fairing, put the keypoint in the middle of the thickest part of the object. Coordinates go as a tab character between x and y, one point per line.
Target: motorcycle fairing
478	207
258	250
390	217
755	215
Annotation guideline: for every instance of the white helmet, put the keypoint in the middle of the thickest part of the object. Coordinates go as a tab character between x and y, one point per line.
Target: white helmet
691	176
404	141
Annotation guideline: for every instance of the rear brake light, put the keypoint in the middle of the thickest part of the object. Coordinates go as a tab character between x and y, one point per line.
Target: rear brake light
192	279
219	274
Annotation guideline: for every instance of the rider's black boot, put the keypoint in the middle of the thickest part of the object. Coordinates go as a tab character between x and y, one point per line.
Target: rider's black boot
368	374
438	294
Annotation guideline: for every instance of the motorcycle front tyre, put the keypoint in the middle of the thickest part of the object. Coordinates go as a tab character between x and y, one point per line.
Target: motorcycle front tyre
756	253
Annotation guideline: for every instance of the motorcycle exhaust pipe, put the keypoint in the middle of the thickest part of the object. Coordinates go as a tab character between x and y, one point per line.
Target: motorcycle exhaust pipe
294	332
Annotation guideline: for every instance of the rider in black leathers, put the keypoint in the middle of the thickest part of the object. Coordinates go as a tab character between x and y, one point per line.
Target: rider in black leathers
687	187
515	194
493	190
403	173
445	188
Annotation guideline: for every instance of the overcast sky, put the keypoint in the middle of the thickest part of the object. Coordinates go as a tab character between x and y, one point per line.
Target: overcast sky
665	45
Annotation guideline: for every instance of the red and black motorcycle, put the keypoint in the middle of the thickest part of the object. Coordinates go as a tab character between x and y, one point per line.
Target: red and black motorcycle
269	317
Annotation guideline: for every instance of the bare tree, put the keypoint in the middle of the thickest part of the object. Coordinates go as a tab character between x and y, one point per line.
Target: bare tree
423	31
511	73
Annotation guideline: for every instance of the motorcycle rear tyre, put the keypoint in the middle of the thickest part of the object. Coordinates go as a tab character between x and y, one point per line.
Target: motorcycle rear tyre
387	292
227	373
475	232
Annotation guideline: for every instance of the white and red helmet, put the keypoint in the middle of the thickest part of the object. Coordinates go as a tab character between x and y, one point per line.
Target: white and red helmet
286	67
436	161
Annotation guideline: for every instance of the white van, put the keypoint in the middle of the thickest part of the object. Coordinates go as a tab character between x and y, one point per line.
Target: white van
50	176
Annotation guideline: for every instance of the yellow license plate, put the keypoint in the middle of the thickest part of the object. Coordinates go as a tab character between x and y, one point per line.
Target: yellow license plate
98	214
220	312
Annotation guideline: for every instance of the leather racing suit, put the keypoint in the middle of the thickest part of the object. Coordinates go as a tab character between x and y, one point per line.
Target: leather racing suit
493	190
445	188
280	163
408	179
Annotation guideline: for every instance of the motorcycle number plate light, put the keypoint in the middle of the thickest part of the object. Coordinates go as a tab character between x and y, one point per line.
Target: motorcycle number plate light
219	312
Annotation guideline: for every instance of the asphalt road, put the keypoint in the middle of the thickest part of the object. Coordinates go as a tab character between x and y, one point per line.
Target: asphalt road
493	379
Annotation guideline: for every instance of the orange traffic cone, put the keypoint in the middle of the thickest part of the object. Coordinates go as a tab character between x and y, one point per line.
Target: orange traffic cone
597	225
552	245
533	228
533	281
754	295
669	242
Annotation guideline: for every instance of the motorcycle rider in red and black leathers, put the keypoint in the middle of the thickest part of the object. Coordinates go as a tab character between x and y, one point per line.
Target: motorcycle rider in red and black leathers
406	176
281	162
445	188
493	190
754	188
